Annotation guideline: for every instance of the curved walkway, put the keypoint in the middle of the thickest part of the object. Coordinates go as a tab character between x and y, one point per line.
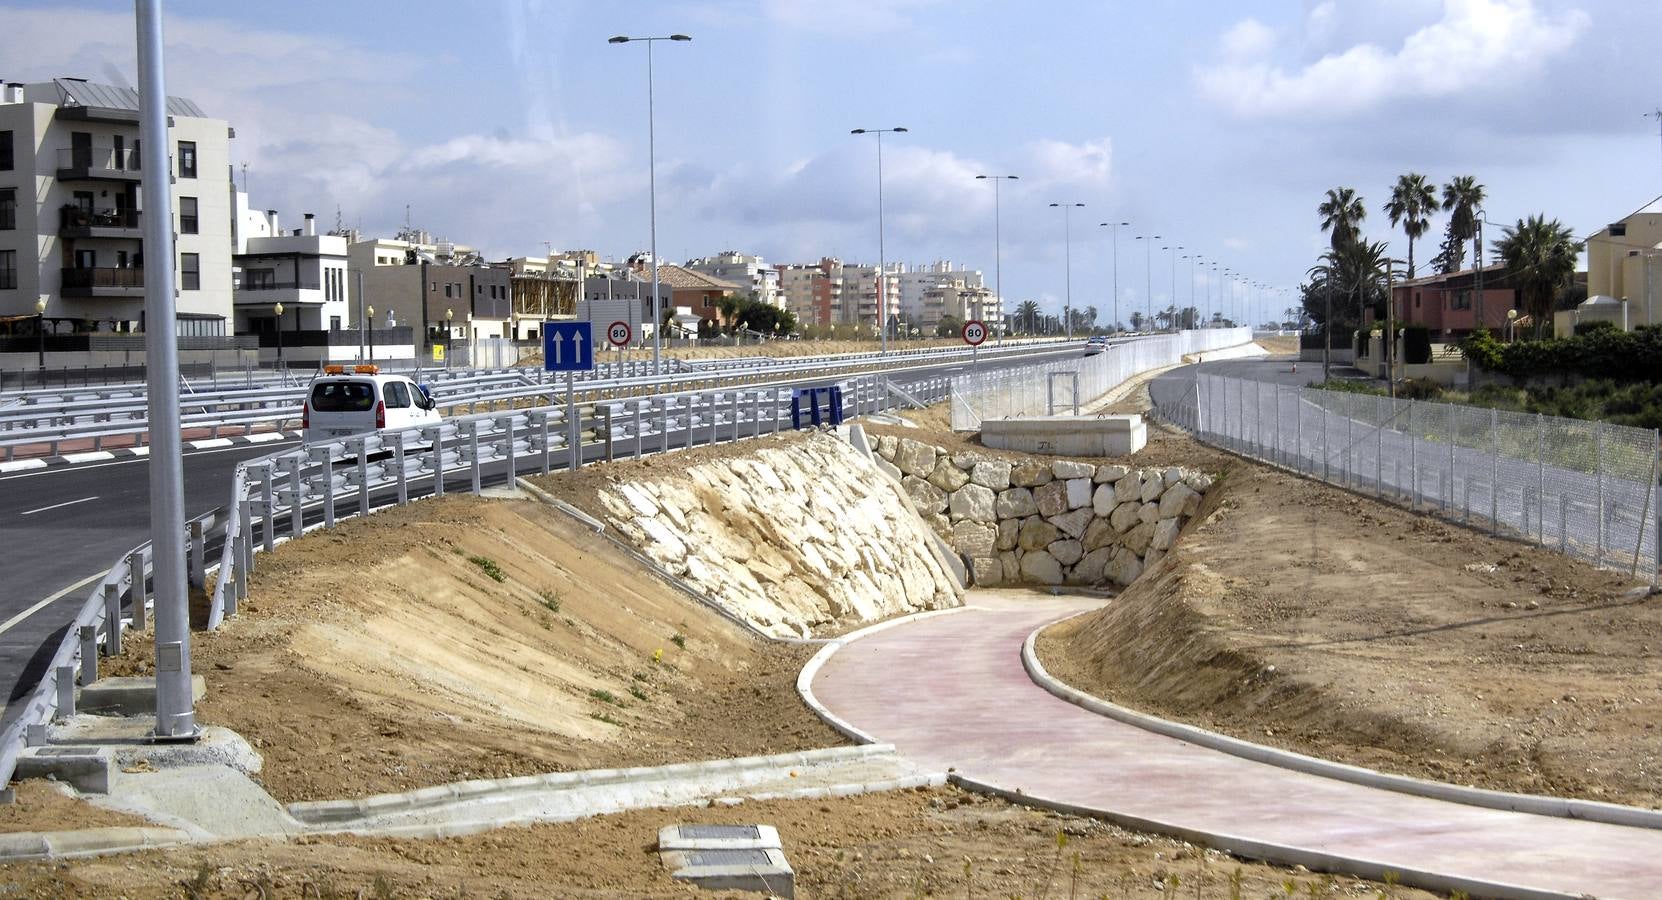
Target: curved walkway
950	691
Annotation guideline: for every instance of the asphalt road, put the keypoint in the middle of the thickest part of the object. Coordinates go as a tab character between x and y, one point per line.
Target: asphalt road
61	528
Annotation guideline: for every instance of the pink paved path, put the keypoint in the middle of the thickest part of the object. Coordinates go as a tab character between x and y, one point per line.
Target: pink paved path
951	691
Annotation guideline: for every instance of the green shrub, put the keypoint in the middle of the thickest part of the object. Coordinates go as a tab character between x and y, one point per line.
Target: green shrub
1419	389
489	567
1594	327
1622	356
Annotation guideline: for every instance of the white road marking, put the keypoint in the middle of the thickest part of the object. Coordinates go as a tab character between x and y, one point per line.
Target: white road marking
36	472
59	505
211	442
265	437
9	623
89	456
22	465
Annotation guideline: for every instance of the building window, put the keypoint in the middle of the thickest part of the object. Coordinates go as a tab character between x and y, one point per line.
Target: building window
8	270
447	289
1416	299
259	279
8	209
187	159
187	215
5	151
190	271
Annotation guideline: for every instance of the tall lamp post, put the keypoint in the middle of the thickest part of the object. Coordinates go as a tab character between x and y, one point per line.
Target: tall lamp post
1067	265
882	260
40	333
278	309
1173	260
1116	227
998	258
652	184
1148	273
449	334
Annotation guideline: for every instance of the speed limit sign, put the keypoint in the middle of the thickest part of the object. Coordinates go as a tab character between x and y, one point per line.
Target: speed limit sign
975	332
618	334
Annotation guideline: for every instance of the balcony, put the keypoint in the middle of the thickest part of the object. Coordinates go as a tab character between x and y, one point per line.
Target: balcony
98	164
75	222
263	292
103	283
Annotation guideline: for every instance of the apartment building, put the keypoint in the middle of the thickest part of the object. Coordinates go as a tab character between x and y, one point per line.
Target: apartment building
741	269
929	292
831	292
71	209
301	271
441	289
1624	262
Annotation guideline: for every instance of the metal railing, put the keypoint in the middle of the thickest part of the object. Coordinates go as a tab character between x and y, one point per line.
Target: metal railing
1030	391
1585	488
104	158
101	277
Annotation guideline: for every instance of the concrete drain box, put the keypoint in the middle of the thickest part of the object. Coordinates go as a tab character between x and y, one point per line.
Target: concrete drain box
727	857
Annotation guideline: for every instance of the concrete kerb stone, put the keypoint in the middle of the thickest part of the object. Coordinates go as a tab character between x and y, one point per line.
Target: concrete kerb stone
1278	854
1533	804
805	678
86	842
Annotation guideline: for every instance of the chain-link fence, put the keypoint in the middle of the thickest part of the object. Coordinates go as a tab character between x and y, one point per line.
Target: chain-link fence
1056	387
1588	489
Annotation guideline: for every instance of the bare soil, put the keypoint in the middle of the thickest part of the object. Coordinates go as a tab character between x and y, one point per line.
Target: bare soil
40	805
941	842
469	638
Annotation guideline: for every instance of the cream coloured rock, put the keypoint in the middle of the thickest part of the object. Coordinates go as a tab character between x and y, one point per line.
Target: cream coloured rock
973	502
1073	524
1136	540
1011	561
1153	485
987	571
1030	473
1199	482
947	476
1153	558
1178	500
1103	501
991	473
1064	469
886	445
926	498
1108	474
1052	498
966	461
1165	534
915	458
1040	567
1173	475
1149	512
638	500
974	538
1124	516
1123	567
1066	552
1015	503
1090	568
1078	492
1129	487
1008	530
888	468
1098	534
1036	534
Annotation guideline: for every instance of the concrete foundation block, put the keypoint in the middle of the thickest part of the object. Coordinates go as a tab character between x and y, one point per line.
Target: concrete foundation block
128	696
762	871
1115	435
85	768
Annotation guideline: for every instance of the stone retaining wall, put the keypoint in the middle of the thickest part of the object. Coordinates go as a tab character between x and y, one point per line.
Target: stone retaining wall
1042	521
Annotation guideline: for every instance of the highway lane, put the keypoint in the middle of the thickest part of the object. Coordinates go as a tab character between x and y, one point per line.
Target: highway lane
54	543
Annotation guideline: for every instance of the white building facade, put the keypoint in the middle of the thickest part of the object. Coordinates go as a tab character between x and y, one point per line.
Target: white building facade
303	271
742	269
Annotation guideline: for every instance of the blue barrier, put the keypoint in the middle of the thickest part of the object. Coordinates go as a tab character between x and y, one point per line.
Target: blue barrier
833	414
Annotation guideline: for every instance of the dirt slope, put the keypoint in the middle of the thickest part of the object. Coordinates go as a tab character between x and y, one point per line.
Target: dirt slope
1303	616
466	638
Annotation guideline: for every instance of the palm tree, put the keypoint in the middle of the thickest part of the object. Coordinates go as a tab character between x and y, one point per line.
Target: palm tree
1090	316
1462	197
1136	320
1540	257
1028	311
1342	214
1411	199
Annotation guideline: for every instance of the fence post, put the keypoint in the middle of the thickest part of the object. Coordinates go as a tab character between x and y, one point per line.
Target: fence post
135	565
1298	429
112	618
1350	442
1563	522
1413	454
66	693
1656	547
606	417
1324	444
1541	479
1494	478
268	506
89	653
1453	435
1598	551
662	406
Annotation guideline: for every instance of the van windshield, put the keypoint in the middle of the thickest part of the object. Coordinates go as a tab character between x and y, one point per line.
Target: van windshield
343	396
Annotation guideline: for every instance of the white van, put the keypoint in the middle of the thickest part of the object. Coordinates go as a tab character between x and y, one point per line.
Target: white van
340	404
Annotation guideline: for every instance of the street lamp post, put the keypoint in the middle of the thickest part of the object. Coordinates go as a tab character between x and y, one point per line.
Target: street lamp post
1067	265
40	333
1148	273
278	309
1173	261
1116	227
652	185
882	259
449	334
369	311
998	258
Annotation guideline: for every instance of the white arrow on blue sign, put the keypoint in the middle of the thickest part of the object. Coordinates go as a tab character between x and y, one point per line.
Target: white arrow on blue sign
567	346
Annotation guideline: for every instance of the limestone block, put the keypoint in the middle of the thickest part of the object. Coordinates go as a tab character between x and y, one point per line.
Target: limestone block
886	446
1090	568
1066	552
1173	475
1040	567
1011	561
1178	500
639	501
1148	512
1074	523
939	523
1008	531
1036	534
966	461
975	538
987	571
1103	501
1199	482
1016	503
1064	469
1078	492
888	468
1030	473
991	473
1109	474
1153	486
1098	534
1124	516
1123	567
1128	487
1052	498
973	502
1136	540
947	476
915	458
927	499
1154	556
1165	534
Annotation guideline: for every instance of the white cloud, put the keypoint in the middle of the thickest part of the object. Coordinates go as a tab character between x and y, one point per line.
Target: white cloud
1248	38
842	16
1474	45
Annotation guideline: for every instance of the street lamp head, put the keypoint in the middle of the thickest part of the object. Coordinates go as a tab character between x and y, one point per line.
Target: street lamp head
620	39
449	314
858	131
278	309
370	310
40	305
900	128
680	37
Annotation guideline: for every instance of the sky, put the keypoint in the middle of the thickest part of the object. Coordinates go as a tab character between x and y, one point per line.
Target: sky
1217	125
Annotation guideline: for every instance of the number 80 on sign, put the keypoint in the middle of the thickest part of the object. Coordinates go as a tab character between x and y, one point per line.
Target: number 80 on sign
618	334
974	333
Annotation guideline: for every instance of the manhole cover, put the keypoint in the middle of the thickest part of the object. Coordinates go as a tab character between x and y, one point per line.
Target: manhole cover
719	832
729	858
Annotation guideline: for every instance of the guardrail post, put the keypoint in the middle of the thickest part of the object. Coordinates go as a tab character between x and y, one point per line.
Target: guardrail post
606	413
328	487
639	438
735	415
197	572
268	507
438	460
512	450
715	416
473	452
398	464
89	653
245	556
297	512
112	618
66	692
135	565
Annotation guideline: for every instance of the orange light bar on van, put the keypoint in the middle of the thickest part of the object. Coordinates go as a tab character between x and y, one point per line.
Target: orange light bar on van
334	370
366	370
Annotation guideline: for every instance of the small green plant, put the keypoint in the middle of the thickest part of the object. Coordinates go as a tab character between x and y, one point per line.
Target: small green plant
605	696
602	717
658	656
196	886
489	567
640	676
637	693
1235	884
550	599
381	889
679	640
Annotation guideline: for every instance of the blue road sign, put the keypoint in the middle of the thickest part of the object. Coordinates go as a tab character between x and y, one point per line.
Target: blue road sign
567	346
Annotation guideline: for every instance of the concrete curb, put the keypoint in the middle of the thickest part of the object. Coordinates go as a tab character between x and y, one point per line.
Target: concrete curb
805	678
1278	854
1532	804
345	812
86	842
38	463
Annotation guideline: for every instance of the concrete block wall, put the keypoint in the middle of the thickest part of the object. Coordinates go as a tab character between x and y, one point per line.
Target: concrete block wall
1045	521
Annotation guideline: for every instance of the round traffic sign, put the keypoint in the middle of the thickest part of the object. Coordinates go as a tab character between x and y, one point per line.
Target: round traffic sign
618	333
975	332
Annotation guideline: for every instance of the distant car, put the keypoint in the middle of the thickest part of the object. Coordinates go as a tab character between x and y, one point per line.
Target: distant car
341	404
1096	344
